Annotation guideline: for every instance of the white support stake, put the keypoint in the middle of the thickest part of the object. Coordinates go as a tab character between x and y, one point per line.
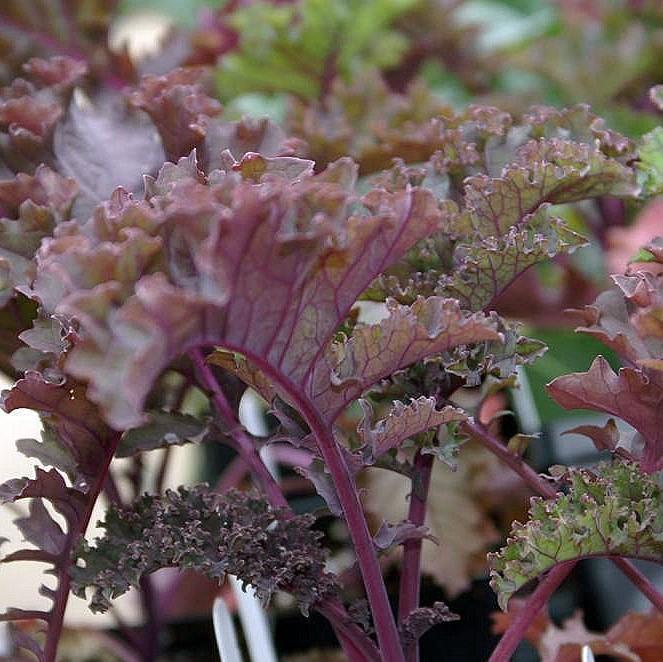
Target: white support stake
224	631
587	655
255	624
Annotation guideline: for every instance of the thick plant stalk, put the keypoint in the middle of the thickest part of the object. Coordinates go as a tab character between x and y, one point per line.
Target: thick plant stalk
232	475
332	609
243	443
645	586
533	605
348	495
152	621
60	599
411	566
357	648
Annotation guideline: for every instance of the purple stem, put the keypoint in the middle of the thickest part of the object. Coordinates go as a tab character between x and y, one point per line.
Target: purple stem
111	490
334	611
294	457
645	586
163	468
376	591
149	601
357	648
242	441
410	581
56	617
531	477
533	605
232	475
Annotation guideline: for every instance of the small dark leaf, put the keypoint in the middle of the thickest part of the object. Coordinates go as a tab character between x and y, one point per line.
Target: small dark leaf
389	535
46	335
423	619
324	485
41	529
49	451
605	437
162	429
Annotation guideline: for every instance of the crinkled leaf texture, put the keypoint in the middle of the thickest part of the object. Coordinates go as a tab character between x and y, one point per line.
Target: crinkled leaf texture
612	510
268	269
63	153
403	422
650	166
255	253
332	38
238	244
627	319
34	29
77	443
237	533
499	216
423	619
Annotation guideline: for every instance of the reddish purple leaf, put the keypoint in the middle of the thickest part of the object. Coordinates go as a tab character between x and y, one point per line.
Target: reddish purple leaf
633	395
605	437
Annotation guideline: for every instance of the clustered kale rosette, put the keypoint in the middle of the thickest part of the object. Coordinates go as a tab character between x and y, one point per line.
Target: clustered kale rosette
151	232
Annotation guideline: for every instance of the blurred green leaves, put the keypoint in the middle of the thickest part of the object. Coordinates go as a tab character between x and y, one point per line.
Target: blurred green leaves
184	13
650	168
300	48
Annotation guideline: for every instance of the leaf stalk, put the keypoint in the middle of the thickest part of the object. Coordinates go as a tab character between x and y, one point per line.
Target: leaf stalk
534	604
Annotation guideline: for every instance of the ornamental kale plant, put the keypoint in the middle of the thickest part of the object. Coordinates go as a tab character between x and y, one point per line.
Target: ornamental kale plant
348	264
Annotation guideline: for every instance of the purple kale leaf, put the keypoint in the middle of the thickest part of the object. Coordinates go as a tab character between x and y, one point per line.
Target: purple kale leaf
290	254
163	428
102	145
627	319
403	422
77	27
423	619
389	535
75	442
237	533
